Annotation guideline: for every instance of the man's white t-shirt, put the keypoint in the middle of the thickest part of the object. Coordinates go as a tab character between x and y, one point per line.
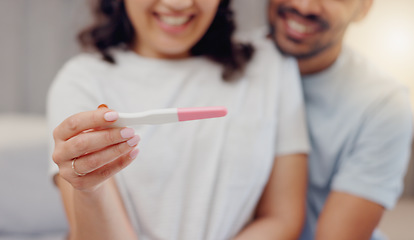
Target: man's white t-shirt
361	126
199	179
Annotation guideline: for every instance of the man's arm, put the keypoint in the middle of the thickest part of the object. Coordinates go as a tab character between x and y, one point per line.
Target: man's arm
281	210
346	216
370	176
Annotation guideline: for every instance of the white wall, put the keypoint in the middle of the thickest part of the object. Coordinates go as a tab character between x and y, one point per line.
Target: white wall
37	36
386	37
249	14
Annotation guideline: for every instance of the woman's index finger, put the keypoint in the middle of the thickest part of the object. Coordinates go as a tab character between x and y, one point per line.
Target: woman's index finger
80	122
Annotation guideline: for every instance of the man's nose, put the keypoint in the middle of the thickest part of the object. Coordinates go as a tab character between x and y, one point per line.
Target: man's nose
307	7
178	5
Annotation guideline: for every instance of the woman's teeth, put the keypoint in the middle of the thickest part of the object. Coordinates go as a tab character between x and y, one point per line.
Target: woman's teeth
300	28
174	20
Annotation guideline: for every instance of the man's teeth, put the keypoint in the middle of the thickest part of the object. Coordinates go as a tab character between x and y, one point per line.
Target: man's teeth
299	27
175	20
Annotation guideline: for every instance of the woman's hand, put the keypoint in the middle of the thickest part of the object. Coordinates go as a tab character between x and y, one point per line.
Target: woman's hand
88	151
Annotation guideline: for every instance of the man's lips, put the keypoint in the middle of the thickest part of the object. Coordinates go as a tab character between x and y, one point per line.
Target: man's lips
299	26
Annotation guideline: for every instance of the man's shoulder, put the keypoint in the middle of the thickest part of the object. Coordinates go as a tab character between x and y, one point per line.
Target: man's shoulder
376	134
367	83
365	74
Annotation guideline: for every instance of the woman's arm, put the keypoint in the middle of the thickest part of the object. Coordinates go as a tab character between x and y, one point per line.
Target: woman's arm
92	202
280	212
95	215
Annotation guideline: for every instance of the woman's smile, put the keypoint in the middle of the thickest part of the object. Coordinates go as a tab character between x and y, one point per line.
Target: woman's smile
169	29
174	23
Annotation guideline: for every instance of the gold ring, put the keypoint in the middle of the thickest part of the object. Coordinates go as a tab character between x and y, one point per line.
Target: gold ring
74	170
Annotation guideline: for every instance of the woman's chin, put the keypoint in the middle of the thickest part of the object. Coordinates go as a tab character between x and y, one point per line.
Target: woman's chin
173	53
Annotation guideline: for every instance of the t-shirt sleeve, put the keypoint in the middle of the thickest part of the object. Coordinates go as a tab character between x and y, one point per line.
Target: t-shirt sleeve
375	167
72	91
292	135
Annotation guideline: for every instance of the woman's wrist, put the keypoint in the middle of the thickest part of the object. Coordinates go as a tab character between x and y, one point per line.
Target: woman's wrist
95	193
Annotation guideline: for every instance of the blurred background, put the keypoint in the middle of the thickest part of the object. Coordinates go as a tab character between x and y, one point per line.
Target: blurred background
38	36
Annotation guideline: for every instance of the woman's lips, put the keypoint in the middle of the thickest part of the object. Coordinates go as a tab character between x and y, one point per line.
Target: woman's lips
174	20
173	23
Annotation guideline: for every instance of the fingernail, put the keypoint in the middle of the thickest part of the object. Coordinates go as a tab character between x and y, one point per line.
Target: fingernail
111	116
127	133
102	106
134	153
133	141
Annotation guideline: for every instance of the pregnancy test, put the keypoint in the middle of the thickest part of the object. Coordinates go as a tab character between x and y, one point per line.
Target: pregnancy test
169	115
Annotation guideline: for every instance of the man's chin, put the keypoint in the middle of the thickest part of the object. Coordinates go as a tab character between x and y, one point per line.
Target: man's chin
295	53
299	52
290	47
299	49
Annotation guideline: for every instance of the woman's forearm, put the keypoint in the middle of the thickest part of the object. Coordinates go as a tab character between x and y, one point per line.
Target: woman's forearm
96	215
92	202
268	228
280	213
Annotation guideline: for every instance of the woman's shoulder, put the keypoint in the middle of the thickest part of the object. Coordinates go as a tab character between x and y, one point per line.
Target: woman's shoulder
265	48
268	58
91	65
86	61
80	71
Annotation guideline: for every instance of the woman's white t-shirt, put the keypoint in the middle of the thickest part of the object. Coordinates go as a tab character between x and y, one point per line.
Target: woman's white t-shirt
199	179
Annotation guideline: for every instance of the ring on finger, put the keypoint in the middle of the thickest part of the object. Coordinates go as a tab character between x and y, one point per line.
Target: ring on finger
74	170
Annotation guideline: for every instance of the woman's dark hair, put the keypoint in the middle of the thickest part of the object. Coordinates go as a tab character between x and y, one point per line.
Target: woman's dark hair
112	28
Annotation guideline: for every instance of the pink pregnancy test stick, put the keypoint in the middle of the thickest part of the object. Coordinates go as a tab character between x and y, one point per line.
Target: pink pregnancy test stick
169	115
